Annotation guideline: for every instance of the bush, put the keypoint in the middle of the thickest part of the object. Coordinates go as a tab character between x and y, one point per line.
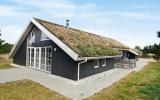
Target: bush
149	55
5	48
151	91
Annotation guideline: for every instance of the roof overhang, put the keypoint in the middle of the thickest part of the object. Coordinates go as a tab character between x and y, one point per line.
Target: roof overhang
100	57
21	39
129	50
27	30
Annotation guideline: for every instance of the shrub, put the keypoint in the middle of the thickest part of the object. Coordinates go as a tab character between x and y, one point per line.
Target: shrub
5	48
151	91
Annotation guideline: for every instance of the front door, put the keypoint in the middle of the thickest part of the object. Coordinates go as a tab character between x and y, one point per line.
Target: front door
39	58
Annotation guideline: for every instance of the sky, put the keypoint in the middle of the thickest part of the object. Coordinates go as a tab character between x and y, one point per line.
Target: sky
132	22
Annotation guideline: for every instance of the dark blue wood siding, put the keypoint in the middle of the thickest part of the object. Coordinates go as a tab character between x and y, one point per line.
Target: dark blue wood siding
20	56
87	69
62	64
129	55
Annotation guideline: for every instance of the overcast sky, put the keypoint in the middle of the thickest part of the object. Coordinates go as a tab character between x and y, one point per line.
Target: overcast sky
132	22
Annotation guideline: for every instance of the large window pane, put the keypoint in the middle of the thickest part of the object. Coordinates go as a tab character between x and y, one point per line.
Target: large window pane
42	59
32	57
48	59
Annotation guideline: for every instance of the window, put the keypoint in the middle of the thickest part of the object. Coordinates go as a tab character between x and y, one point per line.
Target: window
96	63
44	37
48	58
31	38
43	50
103	62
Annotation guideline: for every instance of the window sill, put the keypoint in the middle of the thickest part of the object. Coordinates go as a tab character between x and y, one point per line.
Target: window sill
45	39
96	67
103	65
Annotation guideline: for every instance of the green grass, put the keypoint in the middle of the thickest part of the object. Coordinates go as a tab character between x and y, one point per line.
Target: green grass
142	85
27	90
84	43
5	66
4	62
96	50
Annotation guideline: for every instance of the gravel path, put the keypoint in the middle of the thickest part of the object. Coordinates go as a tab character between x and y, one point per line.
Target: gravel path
72	91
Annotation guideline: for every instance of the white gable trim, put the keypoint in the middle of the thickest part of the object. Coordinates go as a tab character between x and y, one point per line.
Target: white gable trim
63	46
129	51
21	39
133	52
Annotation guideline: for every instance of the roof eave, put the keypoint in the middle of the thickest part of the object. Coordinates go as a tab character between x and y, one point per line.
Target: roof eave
129	51
99	57
33	22
62	45
20	39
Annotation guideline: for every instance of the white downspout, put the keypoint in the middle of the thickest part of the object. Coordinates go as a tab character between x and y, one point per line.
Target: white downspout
79	68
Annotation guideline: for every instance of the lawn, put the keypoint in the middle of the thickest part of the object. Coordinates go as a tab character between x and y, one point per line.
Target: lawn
27	90
4	61
142	85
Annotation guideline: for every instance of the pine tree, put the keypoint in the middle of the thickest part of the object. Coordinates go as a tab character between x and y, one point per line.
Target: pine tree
1	41
158	34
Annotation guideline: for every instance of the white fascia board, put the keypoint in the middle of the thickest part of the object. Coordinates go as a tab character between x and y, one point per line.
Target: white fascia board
133	52
63	46
21	39
100	57
129	51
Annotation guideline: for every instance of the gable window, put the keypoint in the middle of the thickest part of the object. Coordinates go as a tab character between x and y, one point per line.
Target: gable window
96	63
44	37
31	38
103	62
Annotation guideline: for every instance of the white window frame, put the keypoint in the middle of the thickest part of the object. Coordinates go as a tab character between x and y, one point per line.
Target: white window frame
47	38
96	66
34	66
48	59
104	64
31	38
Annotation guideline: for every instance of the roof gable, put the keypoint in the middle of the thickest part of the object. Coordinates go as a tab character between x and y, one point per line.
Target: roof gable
31	24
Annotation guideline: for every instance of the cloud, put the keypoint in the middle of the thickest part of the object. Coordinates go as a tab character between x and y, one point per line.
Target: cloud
7	11
63	4
136	15
53	4
11	11
86	16
11	33
149	6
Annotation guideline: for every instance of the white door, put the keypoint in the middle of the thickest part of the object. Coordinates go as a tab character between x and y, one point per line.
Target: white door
40	58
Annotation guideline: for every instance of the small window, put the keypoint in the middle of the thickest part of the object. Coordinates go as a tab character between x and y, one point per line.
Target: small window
96	63
44	37
103	62
31	38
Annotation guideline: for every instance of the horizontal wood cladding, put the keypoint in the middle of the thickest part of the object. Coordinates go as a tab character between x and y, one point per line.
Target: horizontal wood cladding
88	69
62	64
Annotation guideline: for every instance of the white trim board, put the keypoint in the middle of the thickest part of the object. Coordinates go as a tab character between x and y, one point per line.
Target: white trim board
21	39
33	22
63	46
129	50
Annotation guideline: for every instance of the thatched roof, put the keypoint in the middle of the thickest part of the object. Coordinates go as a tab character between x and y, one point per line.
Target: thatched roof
85	44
